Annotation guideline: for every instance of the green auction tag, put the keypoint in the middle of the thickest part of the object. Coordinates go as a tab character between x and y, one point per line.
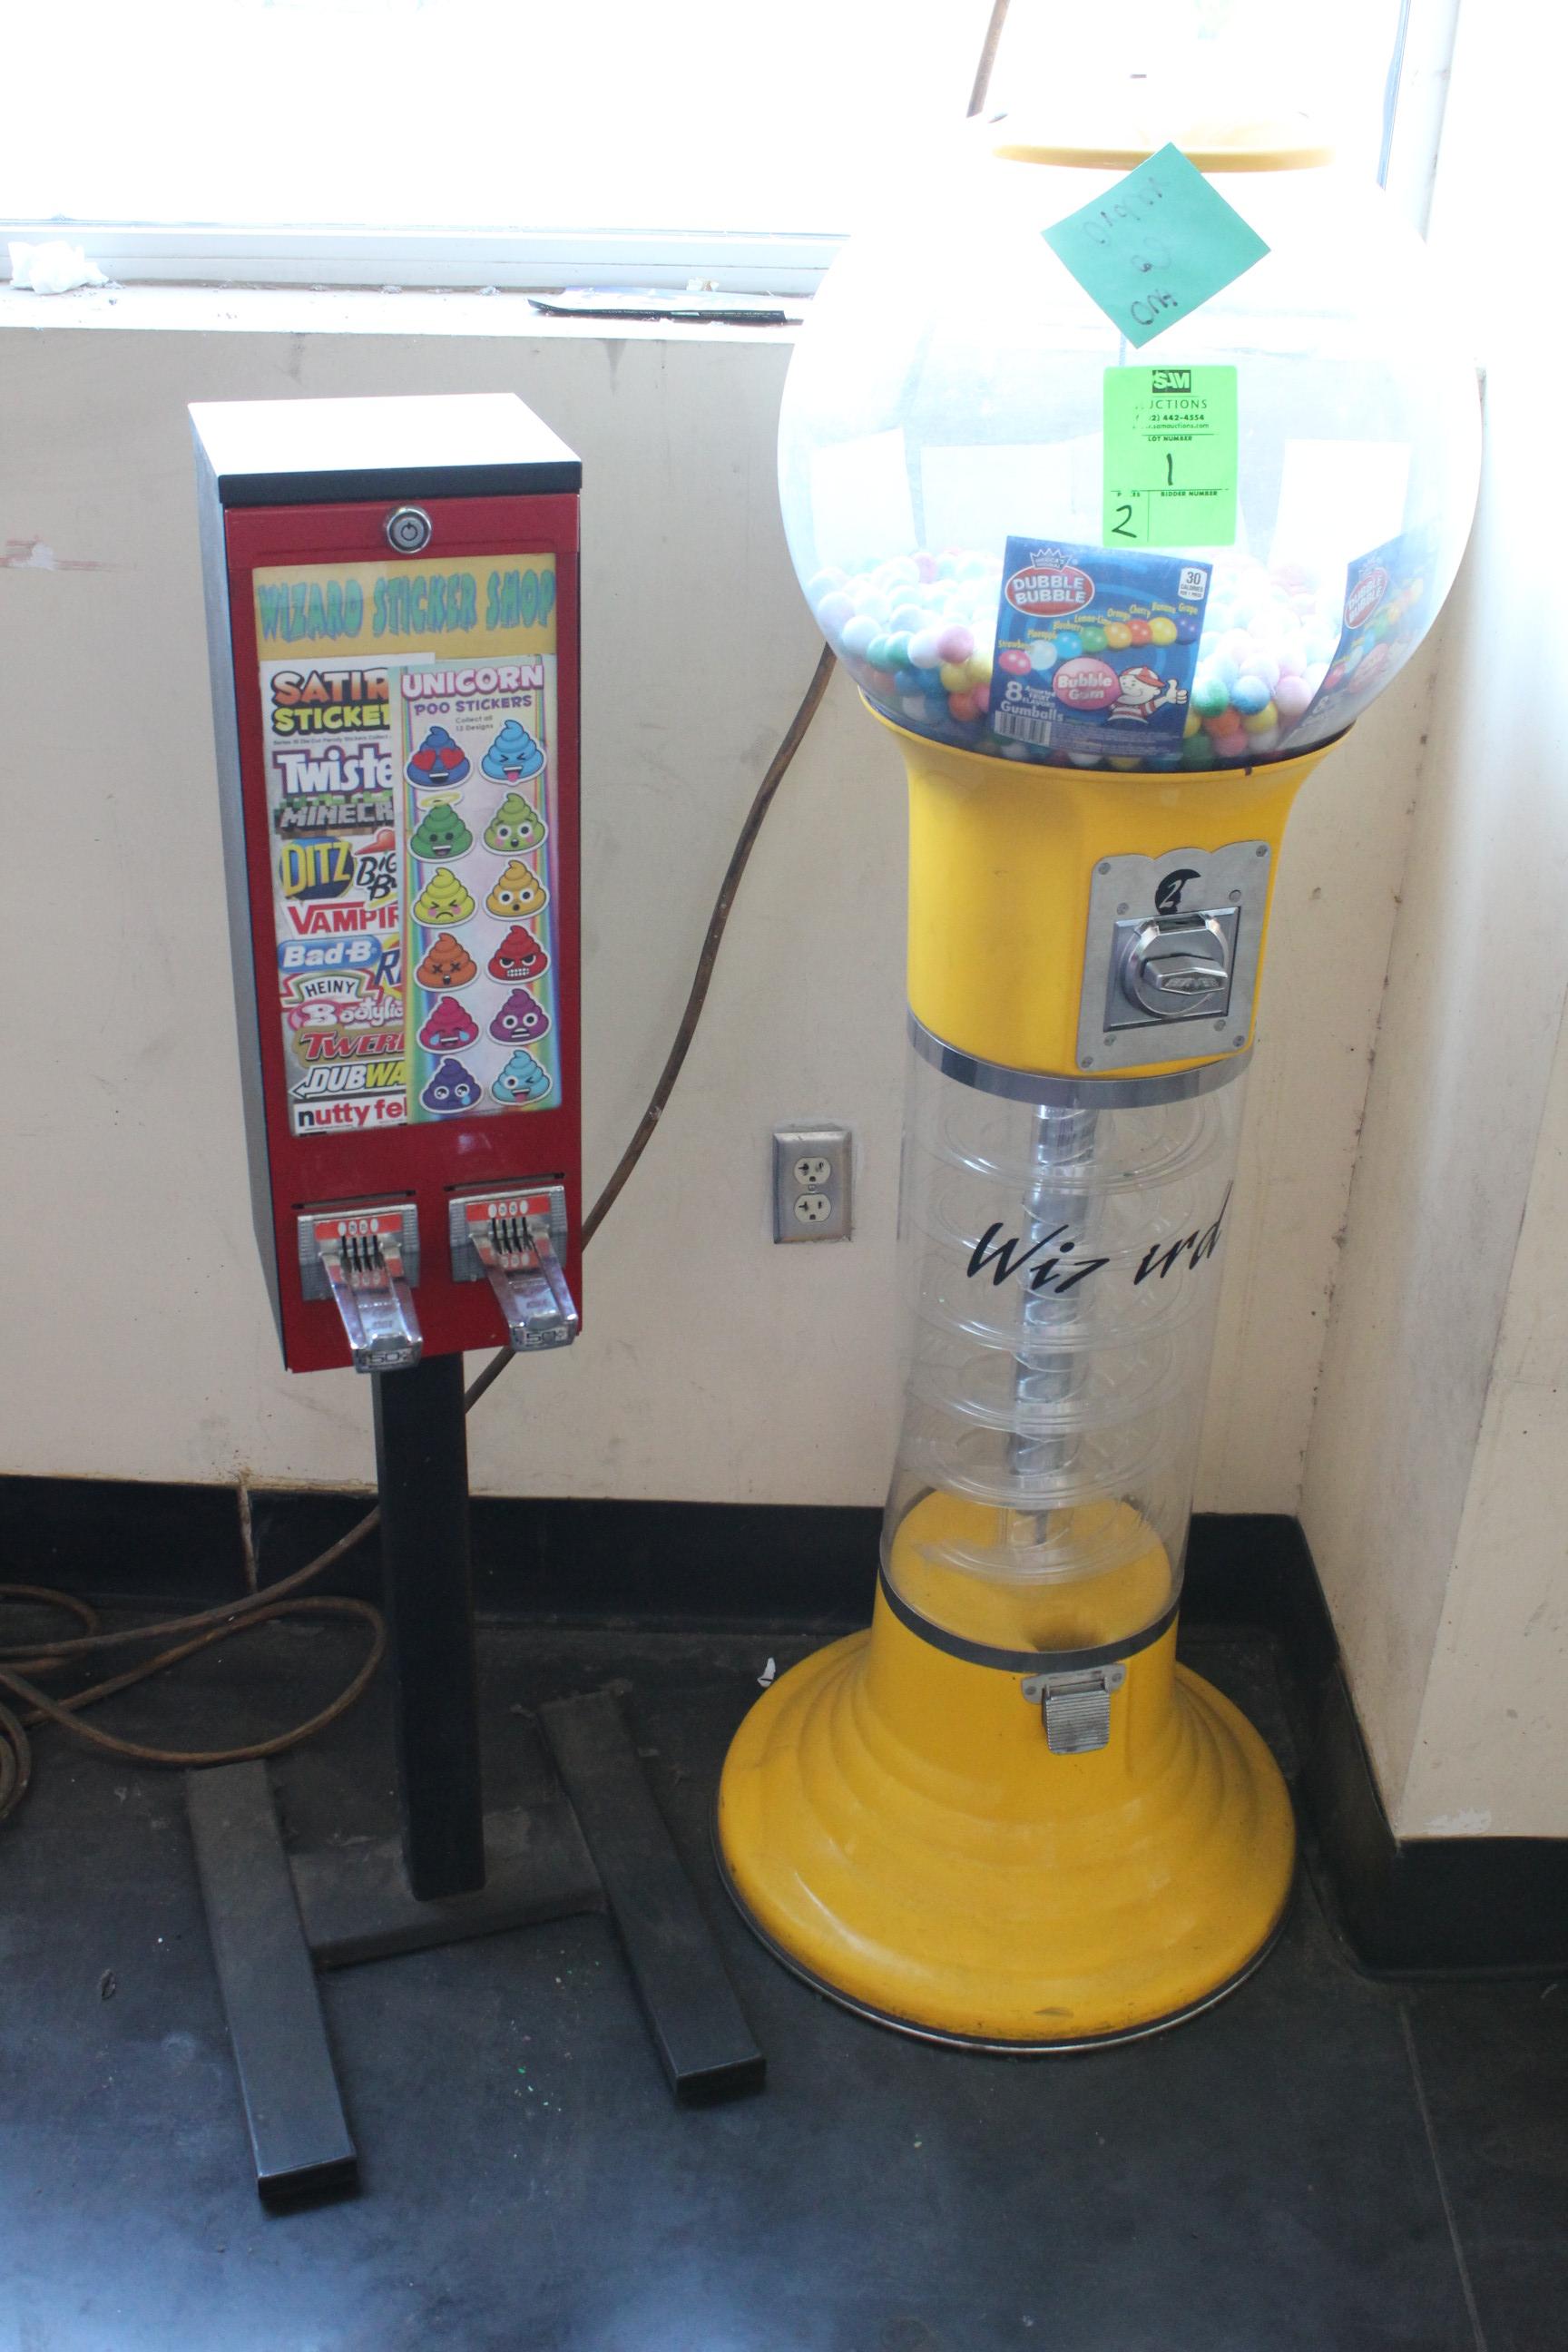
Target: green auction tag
1170	456
1158	243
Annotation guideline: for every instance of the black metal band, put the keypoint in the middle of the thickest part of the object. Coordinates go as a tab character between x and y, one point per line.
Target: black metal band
1022	1661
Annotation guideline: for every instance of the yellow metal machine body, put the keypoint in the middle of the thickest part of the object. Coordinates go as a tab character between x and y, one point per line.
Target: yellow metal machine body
900	1817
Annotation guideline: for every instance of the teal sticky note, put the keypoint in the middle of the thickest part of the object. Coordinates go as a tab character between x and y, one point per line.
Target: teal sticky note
1154	247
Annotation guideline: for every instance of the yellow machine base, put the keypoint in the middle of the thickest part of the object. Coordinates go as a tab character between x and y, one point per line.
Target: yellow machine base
893	1825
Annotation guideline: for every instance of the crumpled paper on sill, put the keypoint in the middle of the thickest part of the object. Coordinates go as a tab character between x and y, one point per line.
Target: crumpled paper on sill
53	267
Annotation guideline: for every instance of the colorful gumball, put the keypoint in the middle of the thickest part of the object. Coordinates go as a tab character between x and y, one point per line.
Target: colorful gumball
1117	637
1015	660
1141	633
1068	644
956	643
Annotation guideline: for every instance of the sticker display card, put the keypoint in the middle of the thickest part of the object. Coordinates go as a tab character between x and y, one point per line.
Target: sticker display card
1095	649
1387	607
409	723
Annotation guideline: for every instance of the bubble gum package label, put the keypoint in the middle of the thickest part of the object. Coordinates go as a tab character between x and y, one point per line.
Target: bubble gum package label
1096	649
1388	601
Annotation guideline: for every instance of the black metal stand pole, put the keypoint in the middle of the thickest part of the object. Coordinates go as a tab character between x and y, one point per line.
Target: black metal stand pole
274	1917
422	1473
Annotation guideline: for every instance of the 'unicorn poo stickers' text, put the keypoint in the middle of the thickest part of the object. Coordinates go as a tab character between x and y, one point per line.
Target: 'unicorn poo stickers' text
409	725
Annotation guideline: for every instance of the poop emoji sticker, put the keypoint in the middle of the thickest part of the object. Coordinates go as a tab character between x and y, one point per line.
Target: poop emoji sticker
519	956
443	900
513	755
452	1088
516	826
522	1080
438	761
518	891
449	1027
446	964
520	1019
441	833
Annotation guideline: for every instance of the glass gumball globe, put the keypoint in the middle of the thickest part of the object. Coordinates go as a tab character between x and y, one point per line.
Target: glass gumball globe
954	449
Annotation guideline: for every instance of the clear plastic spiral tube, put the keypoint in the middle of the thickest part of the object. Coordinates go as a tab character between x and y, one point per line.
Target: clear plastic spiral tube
1062	1285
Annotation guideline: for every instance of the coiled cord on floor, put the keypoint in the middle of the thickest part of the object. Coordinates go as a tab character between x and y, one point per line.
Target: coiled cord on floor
22	1664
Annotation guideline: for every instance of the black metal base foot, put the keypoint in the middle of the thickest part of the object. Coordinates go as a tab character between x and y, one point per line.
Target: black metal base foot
276	1918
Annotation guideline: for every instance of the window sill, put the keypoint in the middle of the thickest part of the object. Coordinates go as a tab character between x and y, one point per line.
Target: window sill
345	311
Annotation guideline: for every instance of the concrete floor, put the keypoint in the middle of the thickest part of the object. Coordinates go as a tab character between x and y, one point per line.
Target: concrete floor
1322	2164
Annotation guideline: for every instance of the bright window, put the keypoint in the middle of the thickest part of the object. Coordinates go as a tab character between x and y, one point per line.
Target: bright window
508	142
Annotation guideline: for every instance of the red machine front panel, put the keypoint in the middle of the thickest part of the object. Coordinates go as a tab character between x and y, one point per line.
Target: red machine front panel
408	772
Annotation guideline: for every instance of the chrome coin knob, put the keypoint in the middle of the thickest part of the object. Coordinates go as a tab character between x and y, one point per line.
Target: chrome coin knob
1175	970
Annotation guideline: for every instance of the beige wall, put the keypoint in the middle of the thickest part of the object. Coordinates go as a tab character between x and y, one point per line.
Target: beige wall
1435	1495
715	1364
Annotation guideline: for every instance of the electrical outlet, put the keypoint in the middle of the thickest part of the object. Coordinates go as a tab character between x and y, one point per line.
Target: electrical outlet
812	1183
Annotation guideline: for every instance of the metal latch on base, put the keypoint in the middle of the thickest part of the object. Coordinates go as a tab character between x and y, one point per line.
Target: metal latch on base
512	1241
364	1260
1075	1705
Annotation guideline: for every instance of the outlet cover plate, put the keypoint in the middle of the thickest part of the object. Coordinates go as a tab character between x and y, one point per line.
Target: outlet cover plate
812	1166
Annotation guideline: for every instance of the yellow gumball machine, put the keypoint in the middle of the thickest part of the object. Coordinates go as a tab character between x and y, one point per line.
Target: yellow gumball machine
1121	485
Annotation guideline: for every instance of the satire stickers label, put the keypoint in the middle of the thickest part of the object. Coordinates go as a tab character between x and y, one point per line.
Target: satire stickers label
409	724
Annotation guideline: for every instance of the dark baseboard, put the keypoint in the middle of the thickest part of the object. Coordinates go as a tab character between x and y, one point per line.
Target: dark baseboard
1438	1905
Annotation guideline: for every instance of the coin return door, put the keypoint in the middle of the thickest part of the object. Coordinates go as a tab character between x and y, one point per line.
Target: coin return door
515	1242
1172	938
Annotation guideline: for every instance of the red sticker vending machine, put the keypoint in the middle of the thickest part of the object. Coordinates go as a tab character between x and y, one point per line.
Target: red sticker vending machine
392	625
392	604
